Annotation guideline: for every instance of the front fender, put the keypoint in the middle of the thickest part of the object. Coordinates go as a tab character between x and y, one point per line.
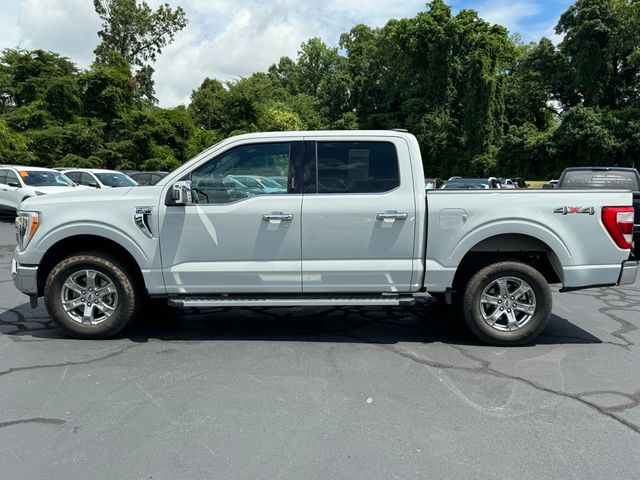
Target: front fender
33	255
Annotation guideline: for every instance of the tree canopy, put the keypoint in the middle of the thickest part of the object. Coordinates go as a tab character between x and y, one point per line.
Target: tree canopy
480	102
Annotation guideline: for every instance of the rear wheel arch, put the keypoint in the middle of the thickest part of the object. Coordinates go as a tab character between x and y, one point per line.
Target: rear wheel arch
512	246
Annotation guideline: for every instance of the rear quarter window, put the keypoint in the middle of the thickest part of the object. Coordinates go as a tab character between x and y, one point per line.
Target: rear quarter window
602	180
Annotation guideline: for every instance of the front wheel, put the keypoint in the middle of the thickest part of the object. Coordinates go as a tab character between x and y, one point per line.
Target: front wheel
507	303
91	295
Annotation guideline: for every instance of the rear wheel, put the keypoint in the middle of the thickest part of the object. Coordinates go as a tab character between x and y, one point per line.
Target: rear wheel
507	303
92	295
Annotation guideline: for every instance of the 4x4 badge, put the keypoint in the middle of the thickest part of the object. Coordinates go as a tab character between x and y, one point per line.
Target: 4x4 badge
575	210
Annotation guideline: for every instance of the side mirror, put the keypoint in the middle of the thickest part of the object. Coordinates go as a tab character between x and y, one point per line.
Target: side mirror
181	193
13	184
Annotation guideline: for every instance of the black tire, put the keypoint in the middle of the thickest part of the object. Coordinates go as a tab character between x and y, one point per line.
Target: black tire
489	277
129	295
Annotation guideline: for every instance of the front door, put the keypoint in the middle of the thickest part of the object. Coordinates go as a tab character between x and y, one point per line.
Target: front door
358	217
241	236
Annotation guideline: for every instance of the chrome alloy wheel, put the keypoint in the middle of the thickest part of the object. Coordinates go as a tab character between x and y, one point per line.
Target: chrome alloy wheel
507	304
89	297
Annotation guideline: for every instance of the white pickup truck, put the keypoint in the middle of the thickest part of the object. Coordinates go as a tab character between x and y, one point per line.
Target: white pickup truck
318	218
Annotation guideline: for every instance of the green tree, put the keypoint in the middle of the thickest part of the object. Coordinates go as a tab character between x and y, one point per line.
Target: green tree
13	146
26	75
602	48
139	34
206	105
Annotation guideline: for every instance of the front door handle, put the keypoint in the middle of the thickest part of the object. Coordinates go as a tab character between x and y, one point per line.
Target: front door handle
391	215
277	217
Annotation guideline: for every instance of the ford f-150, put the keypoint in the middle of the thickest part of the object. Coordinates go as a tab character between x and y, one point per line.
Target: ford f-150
353	225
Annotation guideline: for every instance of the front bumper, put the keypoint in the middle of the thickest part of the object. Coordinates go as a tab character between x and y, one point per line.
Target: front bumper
25	278
628	273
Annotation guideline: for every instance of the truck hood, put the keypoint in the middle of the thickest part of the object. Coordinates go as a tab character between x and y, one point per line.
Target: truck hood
60	189
66	196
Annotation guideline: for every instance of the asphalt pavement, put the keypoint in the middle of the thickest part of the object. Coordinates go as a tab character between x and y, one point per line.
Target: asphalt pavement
326	393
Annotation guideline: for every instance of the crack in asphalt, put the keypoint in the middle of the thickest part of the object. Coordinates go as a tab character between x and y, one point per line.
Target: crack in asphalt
634	399
42	420
486	369
618	299
68	364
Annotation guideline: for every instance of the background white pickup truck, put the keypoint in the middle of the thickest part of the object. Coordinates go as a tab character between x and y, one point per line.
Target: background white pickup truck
350	224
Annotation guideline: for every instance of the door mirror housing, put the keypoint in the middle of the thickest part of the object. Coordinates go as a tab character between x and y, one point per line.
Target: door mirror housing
181	193
13	184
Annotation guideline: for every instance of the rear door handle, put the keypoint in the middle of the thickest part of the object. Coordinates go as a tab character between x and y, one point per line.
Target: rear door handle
391	215
277	217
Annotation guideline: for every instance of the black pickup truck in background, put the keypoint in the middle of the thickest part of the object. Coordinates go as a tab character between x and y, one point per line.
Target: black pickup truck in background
616	178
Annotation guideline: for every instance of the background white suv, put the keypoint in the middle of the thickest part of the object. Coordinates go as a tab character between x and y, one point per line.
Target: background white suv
99	178
19	183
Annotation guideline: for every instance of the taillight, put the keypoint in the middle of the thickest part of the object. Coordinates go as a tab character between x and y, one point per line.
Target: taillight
619	223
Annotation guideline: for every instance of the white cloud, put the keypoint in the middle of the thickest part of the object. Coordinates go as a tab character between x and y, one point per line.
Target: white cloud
67	27
229	39
225	39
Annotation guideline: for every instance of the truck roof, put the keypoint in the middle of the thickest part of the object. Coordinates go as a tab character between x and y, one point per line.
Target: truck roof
324	133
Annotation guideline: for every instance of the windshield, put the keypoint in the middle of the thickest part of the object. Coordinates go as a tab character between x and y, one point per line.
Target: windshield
115	179
44	178
587	179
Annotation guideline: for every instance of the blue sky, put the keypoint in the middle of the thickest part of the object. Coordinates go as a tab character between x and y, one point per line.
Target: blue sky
531	18
227	39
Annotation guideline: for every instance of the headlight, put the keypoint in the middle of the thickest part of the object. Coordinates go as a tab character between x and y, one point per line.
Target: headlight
27	224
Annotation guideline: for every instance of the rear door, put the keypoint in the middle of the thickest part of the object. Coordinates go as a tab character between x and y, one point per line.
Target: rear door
358	216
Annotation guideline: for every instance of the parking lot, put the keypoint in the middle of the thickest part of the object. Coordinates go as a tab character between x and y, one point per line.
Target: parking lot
383	393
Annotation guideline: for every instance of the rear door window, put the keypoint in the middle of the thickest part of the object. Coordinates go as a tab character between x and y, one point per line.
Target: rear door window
357	167
3	177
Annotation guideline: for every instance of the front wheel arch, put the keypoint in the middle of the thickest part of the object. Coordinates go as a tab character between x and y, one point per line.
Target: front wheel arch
77	243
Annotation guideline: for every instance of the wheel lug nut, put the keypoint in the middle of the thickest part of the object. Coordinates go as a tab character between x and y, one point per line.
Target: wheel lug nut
82	299
501	308
509	310
83	292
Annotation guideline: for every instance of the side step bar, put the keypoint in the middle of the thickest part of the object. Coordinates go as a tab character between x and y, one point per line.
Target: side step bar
208	302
